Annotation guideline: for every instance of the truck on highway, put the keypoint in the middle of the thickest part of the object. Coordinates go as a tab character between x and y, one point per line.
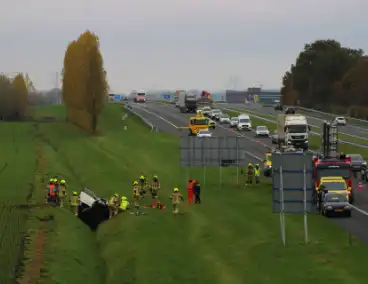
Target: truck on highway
138	96
293	130
187	102
205	99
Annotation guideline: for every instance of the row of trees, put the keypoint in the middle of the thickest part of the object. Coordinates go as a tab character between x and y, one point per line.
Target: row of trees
328	77
13	98
85	85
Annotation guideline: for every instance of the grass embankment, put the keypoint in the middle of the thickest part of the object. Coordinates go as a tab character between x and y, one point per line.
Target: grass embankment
17	169
314	141
231	238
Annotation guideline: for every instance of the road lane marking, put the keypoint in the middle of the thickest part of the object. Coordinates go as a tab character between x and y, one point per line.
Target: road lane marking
247	152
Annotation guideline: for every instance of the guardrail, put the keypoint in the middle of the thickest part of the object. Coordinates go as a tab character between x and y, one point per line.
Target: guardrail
328	114
311	132
315	126
129	108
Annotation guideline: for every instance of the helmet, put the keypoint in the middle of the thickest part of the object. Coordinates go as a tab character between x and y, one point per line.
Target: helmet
176	189
142	177
124	198
116	195
62	181
257	165
75	193
55	180
250	164
155	176
51	180
135	182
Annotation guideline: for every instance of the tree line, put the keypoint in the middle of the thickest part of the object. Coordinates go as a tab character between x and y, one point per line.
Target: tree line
85	87
13	97
329	77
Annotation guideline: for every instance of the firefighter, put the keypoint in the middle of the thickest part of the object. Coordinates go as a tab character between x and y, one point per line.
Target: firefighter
52	194
124	204
136	191
62	192
250	173
74	203
143	185
155	186
176	198
197	192
190	185
257	173
49	187
113	205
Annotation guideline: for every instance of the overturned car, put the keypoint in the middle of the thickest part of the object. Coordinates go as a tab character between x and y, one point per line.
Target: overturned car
92	209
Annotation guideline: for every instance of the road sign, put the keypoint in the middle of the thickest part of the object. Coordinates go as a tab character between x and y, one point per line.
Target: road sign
213	151
292	188
117	97
167	97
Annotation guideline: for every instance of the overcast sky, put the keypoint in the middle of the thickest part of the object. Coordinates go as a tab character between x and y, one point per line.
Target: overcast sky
176	44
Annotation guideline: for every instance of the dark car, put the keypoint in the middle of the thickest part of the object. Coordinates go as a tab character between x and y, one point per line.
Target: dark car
334	204
357	163
289	110
278	107
275	137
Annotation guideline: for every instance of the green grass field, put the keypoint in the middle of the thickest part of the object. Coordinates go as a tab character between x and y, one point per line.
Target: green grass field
314	141
231	238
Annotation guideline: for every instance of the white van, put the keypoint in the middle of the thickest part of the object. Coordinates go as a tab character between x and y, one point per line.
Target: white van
244	122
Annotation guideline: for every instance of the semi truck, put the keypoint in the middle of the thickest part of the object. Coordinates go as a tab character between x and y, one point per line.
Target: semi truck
293	130
187	102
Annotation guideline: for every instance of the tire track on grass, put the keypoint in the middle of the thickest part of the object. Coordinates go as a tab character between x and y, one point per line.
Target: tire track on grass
32	272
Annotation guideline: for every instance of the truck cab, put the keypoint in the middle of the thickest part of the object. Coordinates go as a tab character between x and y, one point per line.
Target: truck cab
328	168
197	123
295	130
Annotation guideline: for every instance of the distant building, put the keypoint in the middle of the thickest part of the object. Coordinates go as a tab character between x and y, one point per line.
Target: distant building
252	94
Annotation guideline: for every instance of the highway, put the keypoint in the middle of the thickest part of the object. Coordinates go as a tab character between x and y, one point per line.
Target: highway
359	131
167	118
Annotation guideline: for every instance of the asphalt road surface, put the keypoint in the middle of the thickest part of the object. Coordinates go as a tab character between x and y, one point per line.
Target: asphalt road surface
168	118
360	131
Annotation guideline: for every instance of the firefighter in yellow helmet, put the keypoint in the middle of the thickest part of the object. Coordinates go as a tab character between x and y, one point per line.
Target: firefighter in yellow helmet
250	173
114	205
143	185
124	204
74	203
155	186
257	173
176	198
62	192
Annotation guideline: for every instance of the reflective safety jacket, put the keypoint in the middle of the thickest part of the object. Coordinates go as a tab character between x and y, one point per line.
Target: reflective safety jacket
62	190
52	190
136	190
113	200
155	184
124	204
257	172
74	200
176	198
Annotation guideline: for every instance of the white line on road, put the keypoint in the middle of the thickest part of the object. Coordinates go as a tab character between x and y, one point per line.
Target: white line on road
248	153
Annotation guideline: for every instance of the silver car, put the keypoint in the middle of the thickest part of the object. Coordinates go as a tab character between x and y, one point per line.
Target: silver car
234	121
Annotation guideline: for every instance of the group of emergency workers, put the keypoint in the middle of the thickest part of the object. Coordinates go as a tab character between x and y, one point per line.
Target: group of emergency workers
140	188
57	193
253	173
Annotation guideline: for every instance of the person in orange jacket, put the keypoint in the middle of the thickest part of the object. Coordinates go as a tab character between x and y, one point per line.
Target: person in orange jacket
190	186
